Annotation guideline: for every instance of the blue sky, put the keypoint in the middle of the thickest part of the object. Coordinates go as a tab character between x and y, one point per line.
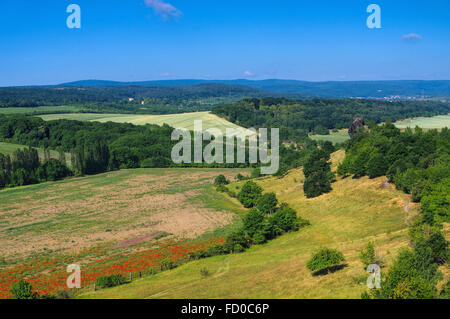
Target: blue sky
133	40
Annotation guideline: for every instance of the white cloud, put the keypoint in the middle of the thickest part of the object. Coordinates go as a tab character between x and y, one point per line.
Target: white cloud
248	73
166	10
412	37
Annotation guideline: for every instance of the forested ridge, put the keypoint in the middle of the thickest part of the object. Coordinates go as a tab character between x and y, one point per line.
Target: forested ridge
129	99
329	89
297	118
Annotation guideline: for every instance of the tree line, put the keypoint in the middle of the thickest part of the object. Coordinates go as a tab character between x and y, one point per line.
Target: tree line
298	118
23	167
128	98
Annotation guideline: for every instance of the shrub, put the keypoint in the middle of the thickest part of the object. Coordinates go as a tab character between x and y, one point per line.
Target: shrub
237	240
23	290
316	184
167	264
220	180
286	219
110	281
267	203
325	259
222	189
253	222
249	194
256	172
408	279
204	272
238	248
60	294
259	238
241	177
377	165
198	254
215	250
426	238
445	292
367	256
231	193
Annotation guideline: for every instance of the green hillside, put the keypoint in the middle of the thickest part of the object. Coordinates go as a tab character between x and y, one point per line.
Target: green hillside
355	212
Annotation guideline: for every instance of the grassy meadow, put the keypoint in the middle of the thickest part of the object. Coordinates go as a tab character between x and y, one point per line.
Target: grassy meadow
355	212
334	137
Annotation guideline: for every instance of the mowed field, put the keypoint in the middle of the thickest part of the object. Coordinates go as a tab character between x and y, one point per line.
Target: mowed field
183	120
355	212
436	122
101	222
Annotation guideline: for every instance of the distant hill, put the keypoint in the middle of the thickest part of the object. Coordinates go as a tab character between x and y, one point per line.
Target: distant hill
363	89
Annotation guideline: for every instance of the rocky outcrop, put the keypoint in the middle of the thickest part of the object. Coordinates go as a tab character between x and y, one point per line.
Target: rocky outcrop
357	123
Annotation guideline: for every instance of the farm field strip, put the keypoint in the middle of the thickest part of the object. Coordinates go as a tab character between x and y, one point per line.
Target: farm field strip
183	120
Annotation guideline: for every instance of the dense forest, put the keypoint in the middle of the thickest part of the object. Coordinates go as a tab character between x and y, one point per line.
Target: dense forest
297	118
128	99
418	163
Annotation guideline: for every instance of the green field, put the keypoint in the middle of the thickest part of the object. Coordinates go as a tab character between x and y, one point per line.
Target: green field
38	110
335	138
436	122
183	120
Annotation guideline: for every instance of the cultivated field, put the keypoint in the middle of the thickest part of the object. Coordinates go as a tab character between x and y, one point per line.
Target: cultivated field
355	212
92	219
183	120
436	122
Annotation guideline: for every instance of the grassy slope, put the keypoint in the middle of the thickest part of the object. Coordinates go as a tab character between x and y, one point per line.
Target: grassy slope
184	120
356	211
